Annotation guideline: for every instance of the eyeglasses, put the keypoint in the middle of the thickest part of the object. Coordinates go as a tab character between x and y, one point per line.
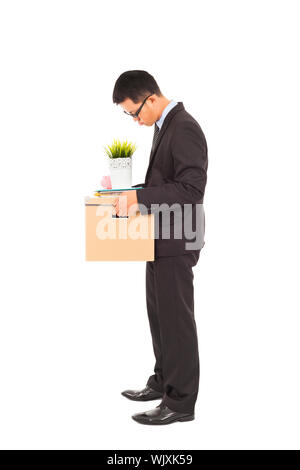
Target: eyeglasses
138	111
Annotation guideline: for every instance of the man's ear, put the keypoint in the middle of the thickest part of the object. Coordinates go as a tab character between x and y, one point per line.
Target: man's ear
152	99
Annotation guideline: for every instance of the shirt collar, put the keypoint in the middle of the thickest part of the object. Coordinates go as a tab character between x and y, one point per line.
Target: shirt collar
168	108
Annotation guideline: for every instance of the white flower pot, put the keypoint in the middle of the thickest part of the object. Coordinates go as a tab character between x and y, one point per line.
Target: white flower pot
120	172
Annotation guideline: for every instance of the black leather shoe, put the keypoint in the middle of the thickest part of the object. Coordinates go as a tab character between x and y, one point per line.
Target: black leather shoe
162	415
142	395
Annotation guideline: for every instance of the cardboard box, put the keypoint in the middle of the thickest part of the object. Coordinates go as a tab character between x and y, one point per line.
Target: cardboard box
109	238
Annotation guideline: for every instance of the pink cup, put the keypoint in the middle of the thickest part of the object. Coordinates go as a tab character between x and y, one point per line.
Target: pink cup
106	182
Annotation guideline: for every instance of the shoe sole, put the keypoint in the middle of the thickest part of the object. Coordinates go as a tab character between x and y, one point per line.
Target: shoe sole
187	418
184	418
142	399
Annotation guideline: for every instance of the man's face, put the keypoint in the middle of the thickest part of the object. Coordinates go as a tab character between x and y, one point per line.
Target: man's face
147	115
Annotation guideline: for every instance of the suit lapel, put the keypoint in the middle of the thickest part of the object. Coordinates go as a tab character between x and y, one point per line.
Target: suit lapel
165	125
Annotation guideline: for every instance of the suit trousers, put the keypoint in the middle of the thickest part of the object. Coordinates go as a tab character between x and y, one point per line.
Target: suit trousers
170	307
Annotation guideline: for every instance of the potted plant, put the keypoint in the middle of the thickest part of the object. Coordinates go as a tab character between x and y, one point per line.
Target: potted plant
120	163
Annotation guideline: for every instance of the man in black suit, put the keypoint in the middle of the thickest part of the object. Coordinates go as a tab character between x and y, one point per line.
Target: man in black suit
173	190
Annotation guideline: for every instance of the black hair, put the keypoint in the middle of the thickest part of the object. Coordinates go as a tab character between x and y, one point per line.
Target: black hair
136	85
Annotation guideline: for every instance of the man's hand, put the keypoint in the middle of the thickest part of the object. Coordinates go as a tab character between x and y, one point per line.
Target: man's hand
126	204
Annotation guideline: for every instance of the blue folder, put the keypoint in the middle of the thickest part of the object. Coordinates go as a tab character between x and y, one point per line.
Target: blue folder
114	190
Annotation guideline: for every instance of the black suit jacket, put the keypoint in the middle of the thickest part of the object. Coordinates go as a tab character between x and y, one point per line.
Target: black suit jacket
177	173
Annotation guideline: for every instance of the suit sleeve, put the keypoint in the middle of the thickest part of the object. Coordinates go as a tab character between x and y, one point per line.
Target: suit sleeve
189	154
135	185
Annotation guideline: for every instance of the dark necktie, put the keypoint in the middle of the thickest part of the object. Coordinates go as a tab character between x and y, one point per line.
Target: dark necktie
155	136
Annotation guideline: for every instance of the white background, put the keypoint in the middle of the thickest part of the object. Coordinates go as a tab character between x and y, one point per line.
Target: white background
74	334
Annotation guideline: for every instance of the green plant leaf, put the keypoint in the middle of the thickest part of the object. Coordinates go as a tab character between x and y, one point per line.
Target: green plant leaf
120	149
